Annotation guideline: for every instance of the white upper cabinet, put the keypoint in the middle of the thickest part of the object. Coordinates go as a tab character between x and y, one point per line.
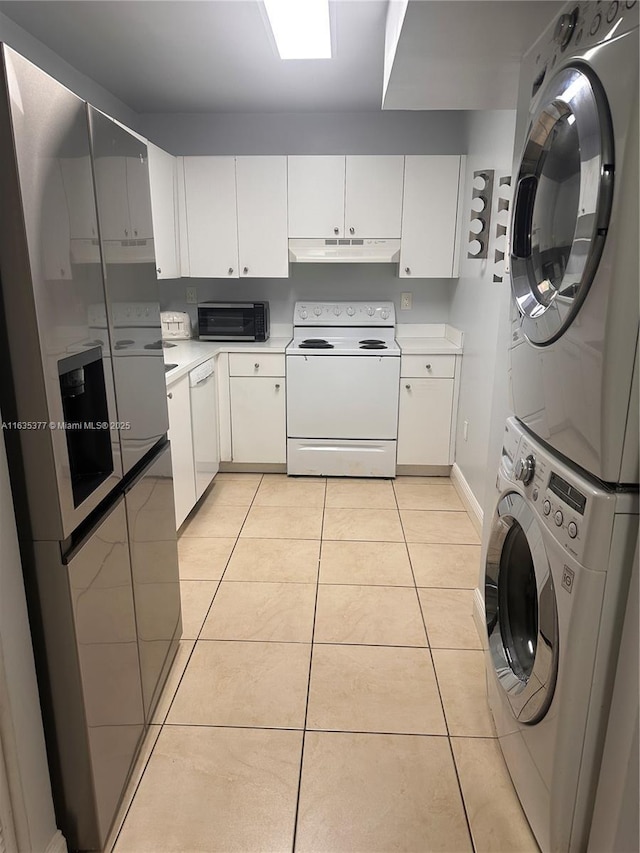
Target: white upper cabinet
373	196
140	217
211	216
124	194
352	196
430	216
78	187
316	196
163	179
261	184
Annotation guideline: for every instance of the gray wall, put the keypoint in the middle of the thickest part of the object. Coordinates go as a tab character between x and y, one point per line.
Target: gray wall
431	297
83	86
394	132
479	308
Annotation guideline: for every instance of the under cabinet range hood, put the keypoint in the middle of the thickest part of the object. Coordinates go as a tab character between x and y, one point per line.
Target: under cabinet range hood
340	250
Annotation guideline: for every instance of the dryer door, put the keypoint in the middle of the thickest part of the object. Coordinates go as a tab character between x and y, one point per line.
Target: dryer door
520	605
562	203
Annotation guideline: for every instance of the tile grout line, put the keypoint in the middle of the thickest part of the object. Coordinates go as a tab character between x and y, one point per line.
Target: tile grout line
175	693
435	673
306	707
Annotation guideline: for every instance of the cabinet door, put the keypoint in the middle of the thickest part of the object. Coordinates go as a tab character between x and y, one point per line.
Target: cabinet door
139	196
162	179
111	181
373	200
316	196
429	216
211	216
263	250
424	421
184	484
78	187
258	427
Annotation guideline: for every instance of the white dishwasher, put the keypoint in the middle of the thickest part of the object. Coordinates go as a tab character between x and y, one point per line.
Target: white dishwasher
204	424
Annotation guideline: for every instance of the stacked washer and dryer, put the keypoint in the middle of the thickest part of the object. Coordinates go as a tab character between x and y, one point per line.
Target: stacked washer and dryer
565	527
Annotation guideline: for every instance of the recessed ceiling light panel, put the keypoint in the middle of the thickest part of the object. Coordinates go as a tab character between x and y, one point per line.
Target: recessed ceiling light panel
300	28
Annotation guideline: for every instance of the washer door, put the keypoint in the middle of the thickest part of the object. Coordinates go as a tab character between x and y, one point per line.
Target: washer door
520	606
562	203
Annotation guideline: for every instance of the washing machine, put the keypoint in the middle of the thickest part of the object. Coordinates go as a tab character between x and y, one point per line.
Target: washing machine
574	240
557	575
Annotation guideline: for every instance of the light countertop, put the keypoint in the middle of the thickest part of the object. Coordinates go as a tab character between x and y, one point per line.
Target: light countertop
189	354
423	339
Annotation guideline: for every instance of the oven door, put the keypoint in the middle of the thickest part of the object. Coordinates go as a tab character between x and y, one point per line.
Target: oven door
342	396
562	204
521	612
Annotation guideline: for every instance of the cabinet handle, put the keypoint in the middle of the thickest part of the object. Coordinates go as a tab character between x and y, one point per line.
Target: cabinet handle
245	270
230	270
352	230
257	365
336	230
407	270
158	270
277	387
408	387
170	395
428	366
135	233
126	233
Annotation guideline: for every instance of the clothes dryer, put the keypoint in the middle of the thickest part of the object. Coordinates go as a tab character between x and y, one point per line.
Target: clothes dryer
557	575
574	241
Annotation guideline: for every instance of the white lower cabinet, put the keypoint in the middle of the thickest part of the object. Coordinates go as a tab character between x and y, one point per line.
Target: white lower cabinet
184	485
427	393
257	407
258	425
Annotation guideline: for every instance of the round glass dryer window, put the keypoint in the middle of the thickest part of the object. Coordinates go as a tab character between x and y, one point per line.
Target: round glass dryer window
562	203
520	604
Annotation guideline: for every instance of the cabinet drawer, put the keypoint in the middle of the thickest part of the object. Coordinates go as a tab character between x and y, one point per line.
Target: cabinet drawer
256	364
428	366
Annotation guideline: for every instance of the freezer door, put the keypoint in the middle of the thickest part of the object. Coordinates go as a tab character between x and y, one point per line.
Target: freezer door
46	190
154	564
121	173
90	675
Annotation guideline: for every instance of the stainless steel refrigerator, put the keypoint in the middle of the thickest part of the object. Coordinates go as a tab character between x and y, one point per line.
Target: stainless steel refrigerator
83	400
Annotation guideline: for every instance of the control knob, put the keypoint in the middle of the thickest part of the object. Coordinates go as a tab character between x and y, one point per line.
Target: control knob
337	311
525	468
351	310
303	313
558	518
371	310
384	313
572	529
565	27
317	310
546	507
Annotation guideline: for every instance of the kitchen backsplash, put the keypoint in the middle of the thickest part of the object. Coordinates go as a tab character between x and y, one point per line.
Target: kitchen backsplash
431	298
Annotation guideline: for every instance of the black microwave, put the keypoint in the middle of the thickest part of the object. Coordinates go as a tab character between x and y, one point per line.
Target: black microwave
233	321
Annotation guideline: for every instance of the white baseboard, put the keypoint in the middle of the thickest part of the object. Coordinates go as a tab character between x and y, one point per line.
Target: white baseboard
467	497
479	617
57	844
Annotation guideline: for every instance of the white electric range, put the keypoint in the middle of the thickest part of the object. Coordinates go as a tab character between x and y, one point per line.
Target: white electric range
343	379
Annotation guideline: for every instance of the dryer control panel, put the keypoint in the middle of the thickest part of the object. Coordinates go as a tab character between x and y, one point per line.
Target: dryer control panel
581	26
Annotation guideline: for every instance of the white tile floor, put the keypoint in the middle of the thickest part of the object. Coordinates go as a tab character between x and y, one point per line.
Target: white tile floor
329	691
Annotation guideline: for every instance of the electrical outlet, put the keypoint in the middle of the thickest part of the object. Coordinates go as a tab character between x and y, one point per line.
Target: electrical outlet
405	301
465	430
192	295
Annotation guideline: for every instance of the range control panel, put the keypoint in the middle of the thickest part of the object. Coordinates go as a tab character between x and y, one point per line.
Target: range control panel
344	314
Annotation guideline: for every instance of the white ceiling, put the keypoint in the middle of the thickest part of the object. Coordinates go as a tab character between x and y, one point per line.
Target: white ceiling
217	55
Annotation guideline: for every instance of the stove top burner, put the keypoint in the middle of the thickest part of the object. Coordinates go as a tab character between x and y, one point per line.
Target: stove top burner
371	341
154	345
315	343
372	345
